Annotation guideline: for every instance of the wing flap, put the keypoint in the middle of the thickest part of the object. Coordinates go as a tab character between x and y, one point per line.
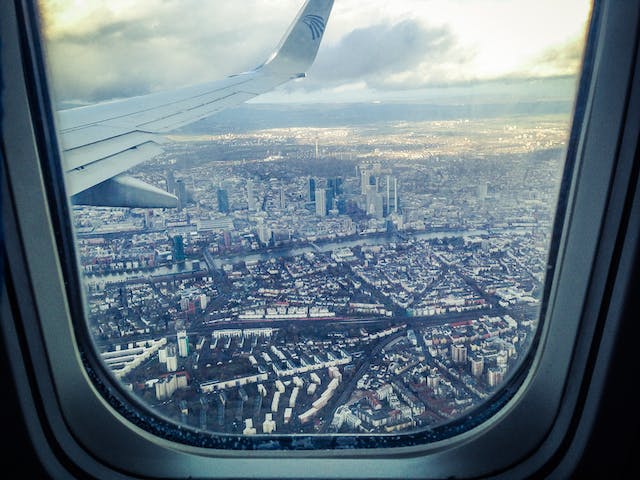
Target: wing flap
72	139
126	191
89	153
85	177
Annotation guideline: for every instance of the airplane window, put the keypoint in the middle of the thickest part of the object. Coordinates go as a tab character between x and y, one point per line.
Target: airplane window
350	235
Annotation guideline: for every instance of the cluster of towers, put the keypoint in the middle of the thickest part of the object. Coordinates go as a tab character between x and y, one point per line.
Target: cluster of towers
325	198
376	194
178	188
380	192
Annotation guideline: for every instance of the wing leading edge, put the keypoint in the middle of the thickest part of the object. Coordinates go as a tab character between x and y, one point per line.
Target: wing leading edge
101	142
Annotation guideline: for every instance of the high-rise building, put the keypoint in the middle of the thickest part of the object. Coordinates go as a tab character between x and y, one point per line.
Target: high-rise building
223	201
334	190
477	366
264	233
375	203
387	203
329	200
251	196
495	376
311	196
396	198
335	185
321	202
171	182
364	181
172	358
181	193
459	353
391	196
183	343
178	249
283	199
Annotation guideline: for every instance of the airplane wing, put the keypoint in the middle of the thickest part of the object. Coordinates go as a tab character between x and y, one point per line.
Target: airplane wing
100	142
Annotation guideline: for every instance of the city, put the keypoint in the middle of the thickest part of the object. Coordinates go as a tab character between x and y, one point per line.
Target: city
379	277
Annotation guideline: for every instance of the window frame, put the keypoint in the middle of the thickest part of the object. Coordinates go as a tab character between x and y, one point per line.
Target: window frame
80	432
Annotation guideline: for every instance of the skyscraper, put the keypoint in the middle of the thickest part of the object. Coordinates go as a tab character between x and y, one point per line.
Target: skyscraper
321	202
181	192
335	185
223	201
396	199
375	203
171	182
178	249
312	190
329	199
364	181
392	195
251	199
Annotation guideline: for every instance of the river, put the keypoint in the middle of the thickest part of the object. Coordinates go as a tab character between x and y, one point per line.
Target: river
324	247
218	262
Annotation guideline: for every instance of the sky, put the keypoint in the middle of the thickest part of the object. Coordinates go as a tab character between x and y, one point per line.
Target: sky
378	50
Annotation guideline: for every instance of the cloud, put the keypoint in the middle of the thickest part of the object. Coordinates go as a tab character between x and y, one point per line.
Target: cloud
103	53
560	60
407	54
110	49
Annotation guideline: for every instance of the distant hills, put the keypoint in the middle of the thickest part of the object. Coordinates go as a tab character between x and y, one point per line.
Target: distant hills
258	116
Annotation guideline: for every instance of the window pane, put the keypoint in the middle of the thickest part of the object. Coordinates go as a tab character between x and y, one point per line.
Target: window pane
359	251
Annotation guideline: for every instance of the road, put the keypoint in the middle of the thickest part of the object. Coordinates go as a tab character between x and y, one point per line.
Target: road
348	388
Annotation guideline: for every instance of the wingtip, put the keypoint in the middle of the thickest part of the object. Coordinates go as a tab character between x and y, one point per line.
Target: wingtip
299	46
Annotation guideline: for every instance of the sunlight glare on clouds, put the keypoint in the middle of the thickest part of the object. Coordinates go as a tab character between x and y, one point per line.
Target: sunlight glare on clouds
105	49
501	36
510	35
